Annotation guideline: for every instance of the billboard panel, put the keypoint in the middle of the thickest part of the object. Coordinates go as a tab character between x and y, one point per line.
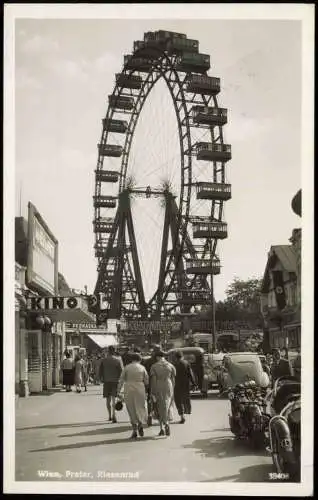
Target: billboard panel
42	265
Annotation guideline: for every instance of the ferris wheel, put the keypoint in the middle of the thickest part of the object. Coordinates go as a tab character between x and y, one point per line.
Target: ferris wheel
160	181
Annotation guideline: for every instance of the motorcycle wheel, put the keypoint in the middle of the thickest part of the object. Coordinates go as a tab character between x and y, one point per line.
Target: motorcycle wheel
282	466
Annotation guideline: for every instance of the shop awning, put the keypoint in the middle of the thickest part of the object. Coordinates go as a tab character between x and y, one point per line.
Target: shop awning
103	340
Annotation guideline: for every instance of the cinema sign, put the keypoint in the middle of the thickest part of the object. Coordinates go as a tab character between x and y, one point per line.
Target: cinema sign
57	308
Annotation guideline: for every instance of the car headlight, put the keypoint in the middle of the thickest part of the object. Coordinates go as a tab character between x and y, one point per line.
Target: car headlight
205	377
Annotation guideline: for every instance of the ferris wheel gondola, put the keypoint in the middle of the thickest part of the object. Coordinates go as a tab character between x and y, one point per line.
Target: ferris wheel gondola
174	59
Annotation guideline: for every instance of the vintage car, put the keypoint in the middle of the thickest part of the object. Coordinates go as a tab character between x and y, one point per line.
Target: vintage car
244	366
213	369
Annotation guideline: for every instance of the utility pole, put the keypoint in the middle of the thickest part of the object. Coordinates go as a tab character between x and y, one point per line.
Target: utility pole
213	329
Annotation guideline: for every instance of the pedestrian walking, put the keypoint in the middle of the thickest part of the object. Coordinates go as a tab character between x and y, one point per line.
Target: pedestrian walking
148	364
183	382
96	369
134	379
67	367
126	357
162	380
281	367
89	369
110	371
85	373
284	353
79	373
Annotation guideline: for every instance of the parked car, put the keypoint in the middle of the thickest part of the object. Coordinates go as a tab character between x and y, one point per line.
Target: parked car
245	362
213	369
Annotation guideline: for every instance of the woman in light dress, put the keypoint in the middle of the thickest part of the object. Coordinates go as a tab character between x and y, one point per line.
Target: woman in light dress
79	373
162	382
134	379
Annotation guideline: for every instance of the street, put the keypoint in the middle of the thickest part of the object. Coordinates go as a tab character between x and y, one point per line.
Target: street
66	436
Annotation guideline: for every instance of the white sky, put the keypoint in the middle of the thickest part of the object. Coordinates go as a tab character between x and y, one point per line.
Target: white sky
64	72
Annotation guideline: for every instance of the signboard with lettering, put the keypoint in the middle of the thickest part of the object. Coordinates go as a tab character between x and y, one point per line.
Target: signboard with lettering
42	266
149	326
71	309
87	326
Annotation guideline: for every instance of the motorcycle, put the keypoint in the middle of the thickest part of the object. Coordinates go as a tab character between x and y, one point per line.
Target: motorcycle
284	428
285	389
248	419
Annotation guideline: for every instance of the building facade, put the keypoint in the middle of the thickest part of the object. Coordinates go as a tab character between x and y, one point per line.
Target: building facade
21	339
88	336
39	340
281	291
280	299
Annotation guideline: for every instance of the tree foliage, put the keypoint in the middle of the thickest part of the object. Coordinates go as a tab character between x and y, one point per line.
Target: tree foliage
242	303
244	294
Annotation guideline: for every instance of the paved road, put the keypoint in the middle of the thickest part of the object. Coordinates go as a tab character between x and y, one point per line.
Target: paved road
69	433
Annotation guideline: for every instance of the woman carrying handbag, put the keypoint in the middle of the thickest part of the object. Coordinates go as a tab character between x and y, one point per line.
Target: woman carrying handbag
134	380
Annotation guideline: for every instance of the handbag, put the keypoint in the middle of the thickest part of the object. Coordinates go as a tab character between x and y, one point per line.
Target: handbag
119	404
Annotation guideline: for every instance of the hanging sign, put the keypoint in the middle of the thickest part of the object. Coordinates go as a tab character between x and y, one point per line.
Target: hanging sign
68	309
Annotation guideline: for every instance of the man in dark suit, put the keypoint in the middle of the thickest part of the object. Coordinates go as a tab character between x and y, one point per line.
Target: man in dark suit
126	356
281	367
110	372
184	379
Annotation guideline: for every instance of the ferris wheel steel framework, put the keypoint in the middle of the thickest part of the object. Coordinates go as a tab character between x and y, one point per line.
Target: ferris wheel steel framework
163	66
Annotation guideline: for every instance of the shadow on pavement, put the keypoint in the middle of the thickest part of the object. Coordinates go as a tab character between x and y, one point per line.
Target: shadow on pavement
56	426
95	443
218	397
87	393
224	447
218	430
49	392
252	474
107	430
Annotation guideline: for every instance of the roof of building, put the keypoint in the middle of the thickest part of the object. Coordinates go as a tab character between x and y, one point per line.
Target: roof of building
64	289
287	257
